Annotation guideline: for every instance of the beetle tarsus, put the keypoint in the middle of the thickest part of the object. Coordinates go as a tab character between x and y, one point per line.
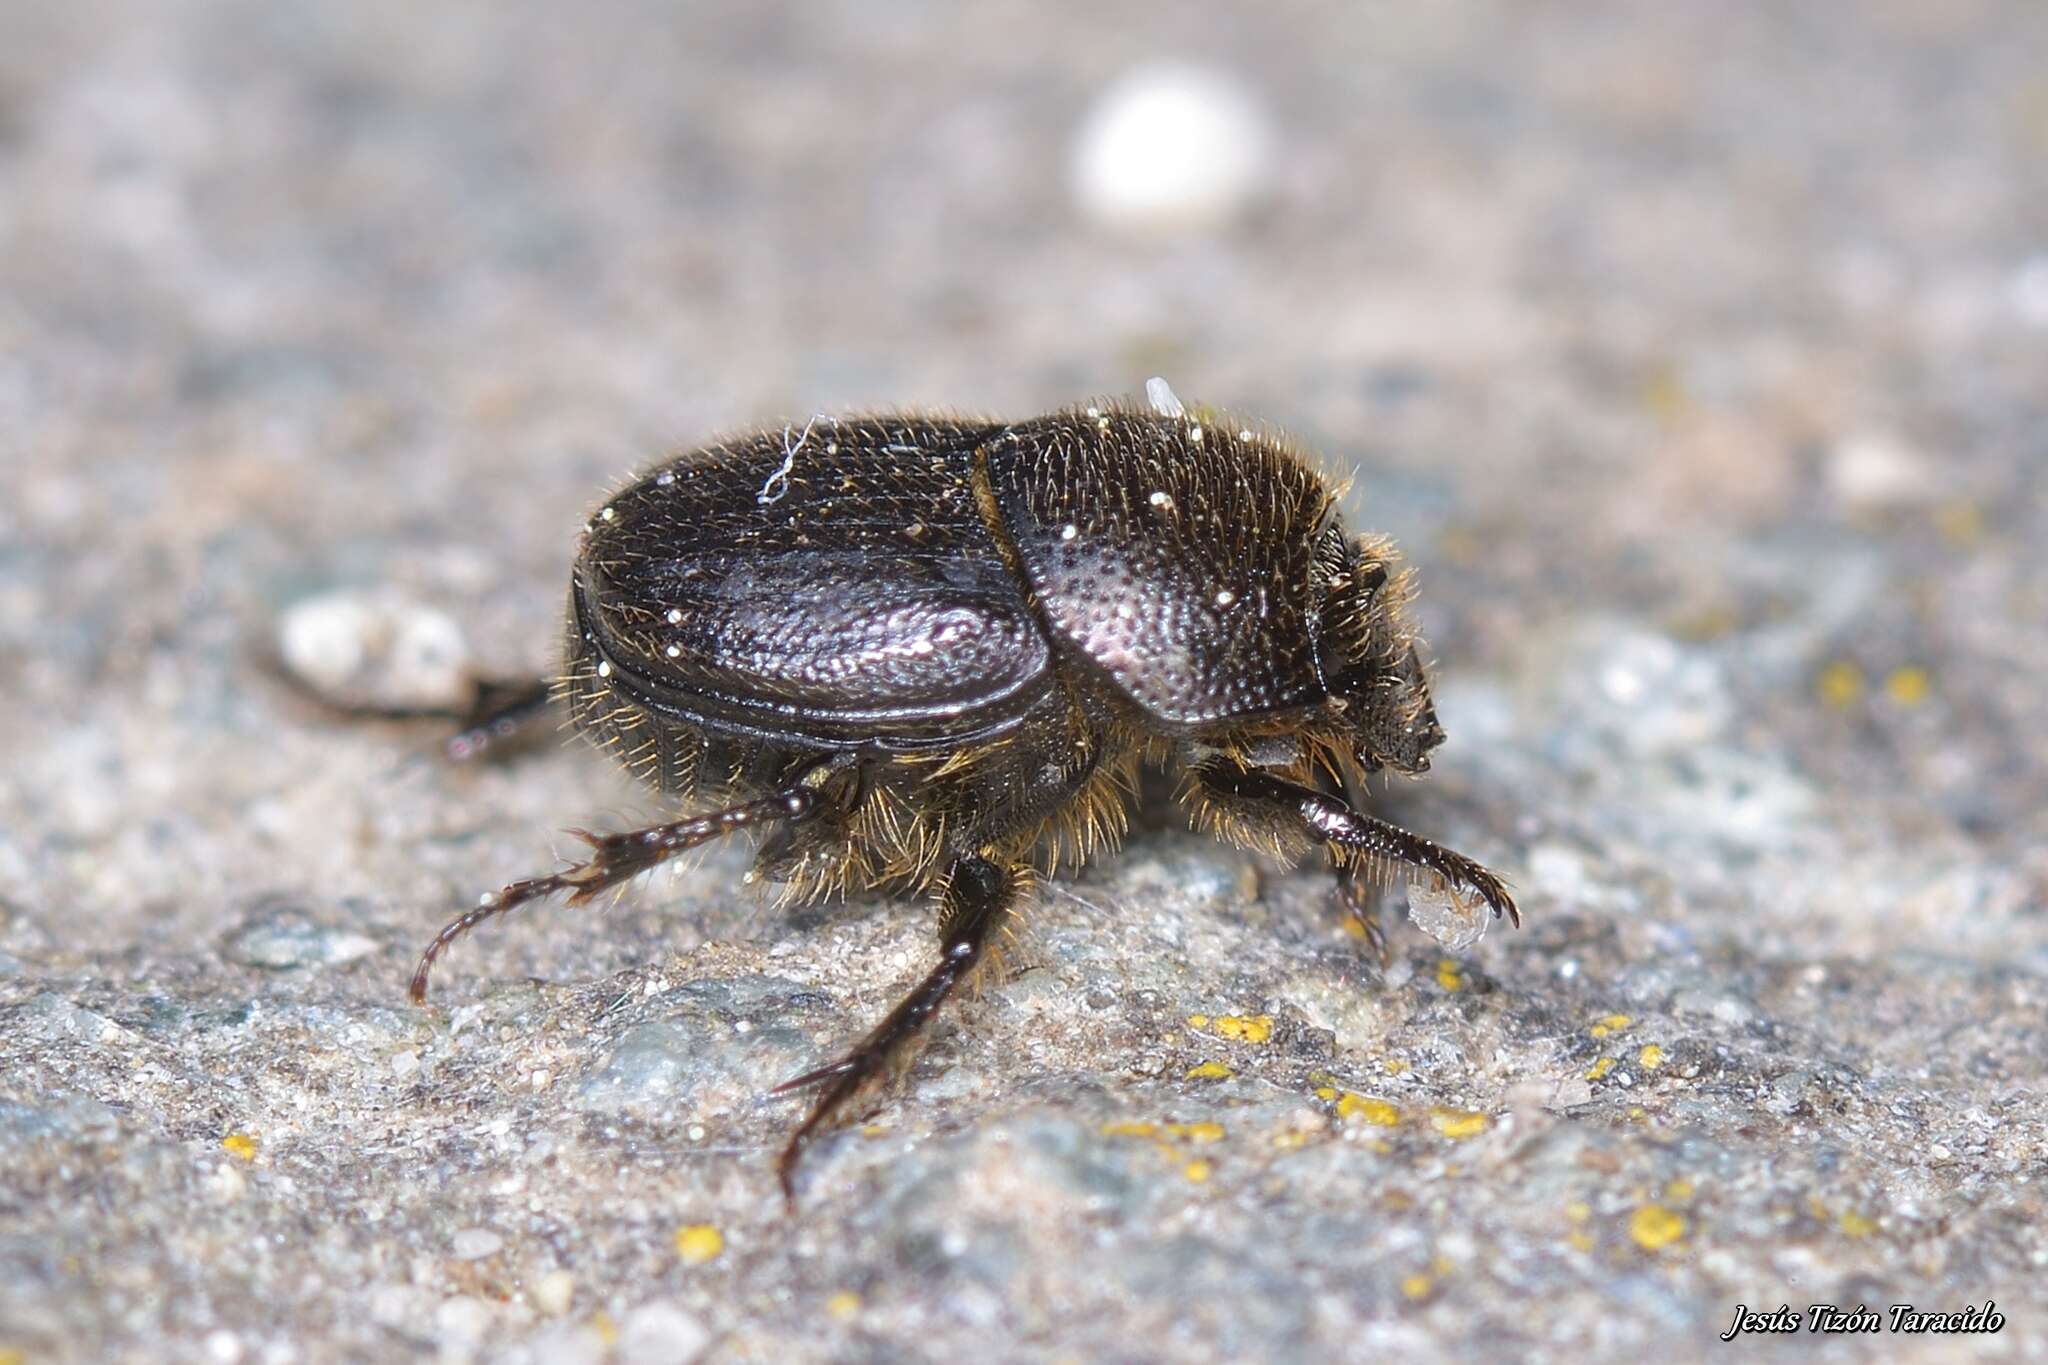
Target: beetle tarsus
978	897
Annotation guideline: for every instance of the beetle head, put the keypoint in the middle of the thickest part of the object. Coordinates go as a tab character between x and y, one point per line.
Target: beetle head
1369	655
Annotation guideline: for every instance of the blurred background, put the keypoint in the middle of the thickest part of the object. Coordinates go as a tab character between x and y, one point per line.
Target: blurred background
1696	352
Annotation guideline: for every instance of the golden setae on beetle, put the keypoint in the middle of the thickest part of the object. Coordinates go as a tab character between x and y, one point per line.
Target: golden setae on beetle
923	654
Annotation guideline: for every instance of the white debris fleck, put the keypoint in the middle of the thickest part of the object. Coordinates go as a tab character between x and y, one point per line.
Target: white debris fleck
779	480
604	668
1069	531
674	651
607	514
665	478
1224	597
1160	498
675	616
1164	401
1195	434
375	648
473	1244
1170	147
1455	917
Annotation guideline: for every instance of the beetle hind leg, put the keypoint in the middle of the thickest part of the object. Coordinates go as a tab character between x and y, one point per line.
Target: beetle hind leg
618	858
978	897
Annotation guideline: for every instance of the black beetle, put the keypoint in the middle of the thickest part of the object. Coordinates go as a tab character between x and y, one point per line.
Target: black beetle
920	652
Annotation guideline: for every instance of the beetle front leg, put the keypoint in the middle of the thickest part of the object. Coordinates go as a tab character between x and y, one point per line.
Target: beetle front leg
977	899
619	858
1253	793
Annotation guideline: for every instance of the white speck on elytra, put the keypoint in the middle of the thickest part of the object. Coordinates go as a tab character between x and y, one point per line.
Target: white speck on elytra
604	668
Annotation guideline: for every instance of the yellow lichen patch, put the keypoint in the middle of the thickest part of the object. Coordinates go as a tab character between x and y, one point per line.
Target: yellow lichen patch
1376	1112
1130	1129
1608	1024
1960	523
843	1305
1448	976
1293	1140
1210	1071
1394	1066
1680	1190
1198	1021
1458	1124
1326	1092
874	1130
1908	686
1598	1071
1839	685
1579	1240
607	1330
1855	1224
1197	1171
1654	1227
698	1243
1204	1131
1417	1286
240	1145
1243	1028
1578	1210
1651	1057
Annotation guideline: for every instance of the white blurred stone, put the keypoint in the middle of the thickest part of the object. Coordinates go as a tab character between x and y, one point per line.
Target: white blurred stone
1170	147
375	649
661	1334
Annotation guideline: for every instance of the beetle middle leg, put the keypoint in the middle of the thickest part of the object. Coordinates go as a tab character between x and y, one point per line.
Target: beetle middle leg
978	897
617	858
1253	794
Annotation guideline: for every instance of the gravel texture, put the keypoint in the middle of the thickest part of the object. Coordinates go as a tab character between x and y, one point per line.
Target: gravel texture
1697	352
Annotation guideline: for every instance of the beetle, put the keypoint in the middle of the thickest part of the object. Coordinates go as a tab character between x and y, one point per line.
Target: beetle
923	655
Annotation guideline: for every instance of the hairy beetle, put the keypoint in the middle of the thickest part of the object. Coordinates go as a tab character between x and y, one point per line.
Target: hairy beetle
920	654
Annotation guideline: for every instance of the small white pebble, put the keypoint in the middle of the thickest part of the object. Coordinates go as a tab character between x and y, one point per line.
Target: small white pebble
554	1292
1170	147
405	1064
473	1244
376	648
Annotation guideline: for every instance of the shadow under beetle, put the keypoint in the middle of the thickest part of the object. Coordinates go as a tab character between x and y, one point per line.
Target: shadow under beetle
921	654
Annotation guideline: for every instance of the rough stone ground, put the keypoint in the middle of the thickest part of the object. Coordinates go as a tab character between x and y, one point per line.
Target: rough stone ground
1695	351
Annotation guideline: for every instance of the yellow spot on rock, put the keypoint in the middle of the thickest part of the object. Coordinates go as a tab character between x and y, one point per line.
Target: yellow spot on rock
1210	1071
1198	1021
1293	1140
1394	1066
1680	1190
1610	1023
240	1145
1326	1092
1654	1227
1840	684
1417	1286
1448	977
843	1305
607	1330
1128	1129
1579	1240
1197	1132
1578	1210
1376	1112
1908	686
1855	1224
1244	1028
698	1243
1650	1058
1197	1171
1458	1123
1598	1071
